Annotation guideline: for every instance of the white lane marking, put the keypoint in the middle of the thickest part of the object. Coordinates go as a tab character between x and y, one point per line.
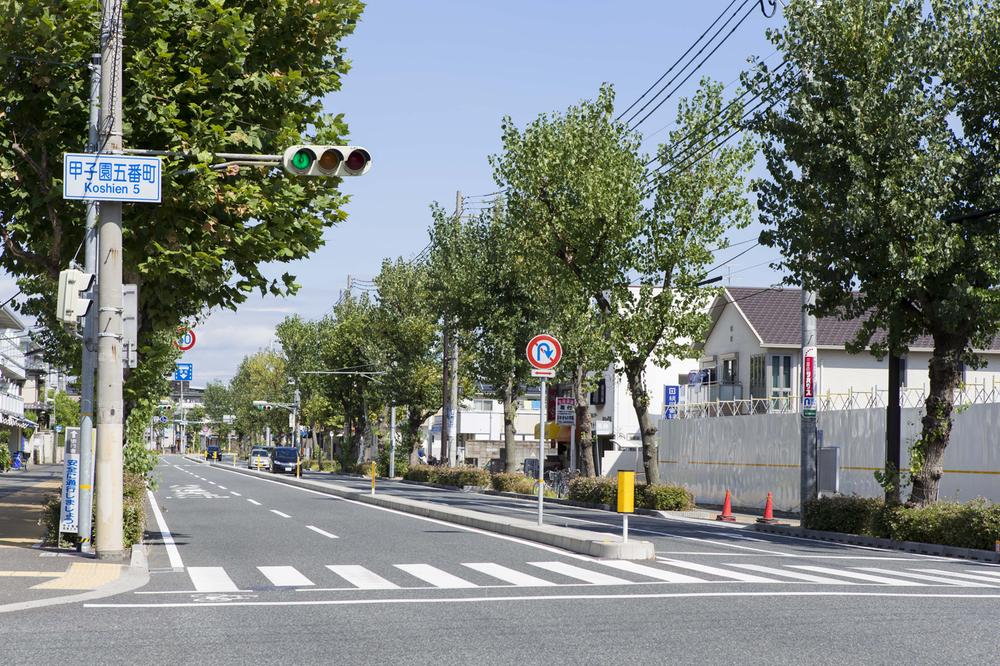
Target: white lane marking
222	487
213	483
211	579
796	575
434	576
859	576
234	493
507	574
254	502
551	597
278	513
168	538
956	574
579	573
715	571
933	579
403	514
652	572
319	531
285	576
360	577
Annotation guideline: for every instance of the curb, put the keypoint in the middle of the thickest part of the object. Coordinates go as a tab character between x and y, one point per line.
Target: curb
593	544
878	542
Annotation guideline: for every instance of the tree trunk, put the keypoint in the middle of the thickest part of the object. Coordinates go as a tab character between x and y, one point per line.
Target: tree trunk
509	414
584	434
411	433
635	372
945	376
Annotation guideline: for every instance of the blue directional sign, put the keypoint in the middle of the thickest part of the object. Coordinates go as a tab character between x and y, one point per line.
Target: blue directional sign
671	398
184	372
109	177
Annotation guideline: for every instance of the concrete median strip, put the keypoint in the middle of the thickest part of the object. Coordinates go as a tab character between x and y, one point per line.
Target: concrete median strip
584	542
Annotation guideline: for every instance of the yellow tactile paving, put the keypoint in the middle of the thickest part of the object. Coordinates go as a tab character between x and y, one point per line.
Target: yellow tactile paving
83	576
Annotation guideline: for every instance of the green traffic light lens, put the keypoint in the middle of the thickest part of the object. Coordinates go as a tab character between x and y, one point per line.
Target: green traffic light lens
303	159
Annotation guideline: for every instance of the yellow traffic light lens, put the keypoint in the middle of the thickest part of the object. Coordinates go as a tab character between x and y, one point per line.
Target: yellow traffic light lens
303	159
330	160
358	159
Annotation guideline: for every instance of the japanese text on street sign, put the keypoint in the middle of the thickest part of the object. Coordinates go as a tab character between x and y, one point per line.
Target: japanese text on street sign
69	516
109	177
671	398
184	372
544	353
809	381
566	411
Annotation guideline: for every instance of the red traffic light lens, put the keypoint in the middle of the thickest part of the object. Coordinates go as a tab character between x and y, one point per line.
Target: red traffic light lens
330	160
358	159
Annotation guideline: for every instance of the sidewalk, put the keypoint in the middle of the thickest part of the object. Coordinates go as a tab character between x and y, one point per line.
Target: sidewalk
29	573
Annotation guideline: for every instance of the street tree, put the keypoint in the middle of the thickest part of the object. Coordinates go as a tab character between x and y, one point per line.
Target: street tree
880	140
261	376
640	264
239	77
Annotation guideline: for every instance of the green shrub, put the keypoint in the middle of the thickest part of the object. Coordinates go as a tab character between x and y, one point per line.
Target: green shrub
457	477
313	465
975	524
594	490
516	482
664	498
402	461
5	459
421	473
133	514
332	466
842	513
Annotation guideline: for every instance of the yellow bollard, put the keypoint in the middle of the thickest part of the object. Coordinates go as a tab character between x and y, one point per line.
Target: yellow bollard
626	499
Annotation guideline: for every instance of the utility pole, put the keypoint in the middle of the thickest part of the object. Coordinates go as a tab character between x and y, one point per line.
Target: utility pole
453	372
89	360
808	453
392	442
295	417
110	544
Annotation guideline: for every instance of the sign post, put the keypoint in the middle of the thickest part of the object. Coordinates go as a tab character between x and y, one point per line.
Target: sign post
69	516
544	354
566	415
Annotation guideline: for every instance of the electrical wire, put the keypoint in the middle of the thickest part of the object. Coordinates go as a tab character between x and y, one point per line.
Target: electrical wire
733	258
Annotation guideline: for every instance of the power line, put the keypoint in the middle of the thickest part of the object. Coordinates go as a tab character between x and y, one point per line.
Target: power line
733	258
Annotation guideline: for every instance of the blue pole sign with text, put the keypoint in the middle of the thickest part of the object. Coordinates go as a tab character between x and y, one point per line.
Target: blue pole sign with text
671	398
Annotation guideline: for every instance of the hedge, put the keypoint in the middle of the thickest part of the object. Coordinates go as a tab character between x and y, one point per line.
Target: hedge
458	477
660	497
974	524
133	513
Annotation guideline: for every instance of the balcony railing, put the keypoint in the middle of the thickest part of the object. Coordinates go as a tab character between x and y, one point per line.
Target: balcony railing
12	359
12	405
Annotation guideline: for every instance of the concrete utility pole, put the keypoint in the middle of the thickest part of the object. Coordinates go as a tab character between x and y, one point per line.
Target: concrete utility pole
110	544
392	442
807	464
445	388
89	360
453	372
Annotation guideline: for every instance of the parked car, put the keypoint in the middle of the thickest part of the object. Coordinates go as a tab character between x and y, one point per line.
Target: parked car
284	459
259	459
213	453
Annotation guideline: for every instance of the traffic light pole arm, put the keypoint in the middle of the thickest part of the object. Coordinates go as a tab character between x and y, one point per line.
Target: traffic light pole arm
225	156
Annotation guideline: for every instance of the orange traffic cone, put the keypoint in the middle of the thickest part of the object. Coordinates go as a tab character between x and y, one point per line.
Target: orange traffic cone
727	510
768	512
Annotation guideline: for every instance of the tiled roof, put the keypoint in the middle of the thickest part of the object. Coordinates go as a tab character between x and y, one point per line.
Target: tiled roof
776	315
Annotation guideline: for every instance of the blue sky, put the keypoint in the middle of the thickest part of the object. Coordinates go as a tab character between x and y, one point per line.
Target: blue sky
429	83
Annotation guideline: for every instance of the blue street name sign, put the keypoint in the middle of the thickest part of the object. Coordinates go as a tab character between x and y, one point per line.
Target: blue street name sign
671	398
184	372
105	177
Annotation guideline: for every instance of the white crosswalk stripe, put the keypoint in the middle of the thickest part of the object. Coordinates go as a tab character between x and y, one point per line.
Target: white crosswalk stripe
652	572
964	576
859	576
360	577
579	573
211	579
434	576
716	571
933	579
507	575
810	578
285	576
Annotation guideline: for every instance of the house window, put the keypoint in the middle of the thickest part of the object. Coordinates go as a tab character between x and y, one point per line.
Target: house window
729	371
902	372
482	405
599	394
781	376
758	376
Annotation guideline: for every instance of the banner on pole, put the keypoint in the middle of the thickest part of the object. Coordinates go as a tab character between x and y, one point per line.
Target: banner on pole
69	515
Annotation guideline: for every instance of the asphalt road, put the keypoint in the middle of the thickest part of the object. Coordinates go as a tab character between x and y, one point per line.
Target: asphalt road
255	571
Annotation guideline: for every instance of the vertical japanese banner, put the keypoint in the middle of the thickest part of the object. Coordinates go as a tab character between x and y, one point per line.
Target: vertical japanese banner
69	516
809	381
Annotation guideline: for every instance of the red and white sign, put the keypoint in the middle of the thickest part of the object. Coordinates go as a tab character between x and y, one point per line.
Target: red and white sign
809	372
544	354
186	340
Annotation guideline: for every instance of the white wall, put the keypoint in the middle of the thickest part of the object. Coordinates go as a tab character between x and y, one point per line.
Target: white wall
732	333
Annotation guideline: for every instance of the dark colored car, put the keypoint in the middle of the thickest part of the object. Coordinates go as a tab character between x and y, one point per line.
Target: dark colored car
213	453
284	459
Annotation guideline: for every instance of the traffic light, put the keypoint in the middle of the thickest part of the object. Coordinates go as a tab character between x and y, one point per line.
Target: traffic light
260	405
70	304
326	160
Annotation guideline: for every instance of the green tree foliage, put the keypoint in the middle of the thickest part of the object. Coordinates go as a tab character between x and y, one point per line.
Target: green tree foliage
261	376
886	133
640	264
199	77
218	402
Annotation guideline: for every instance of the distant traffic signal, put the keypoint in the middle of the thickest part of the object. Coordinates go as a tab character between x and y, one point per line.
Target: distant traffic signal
326	161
